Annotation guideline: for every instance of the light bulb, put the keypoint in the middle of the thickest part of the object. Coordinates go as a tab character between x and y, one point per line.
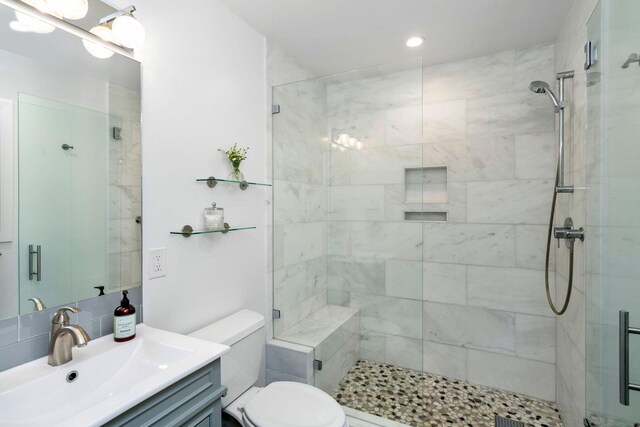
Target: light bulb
101	52
128	31
70	9
343	138
359	145
415	41
27	23
352	142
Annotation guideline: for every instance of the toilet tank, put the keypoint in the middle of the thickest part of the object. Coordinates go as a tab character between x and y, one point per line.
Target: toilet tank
244	333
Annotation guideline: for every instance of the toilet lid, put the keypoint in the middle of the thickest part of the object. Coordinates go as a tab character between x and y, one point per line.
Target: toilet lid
289	404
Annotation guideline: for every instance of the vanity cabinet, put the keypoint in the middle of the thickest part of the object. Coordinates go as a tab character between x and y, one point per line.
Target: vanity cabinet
194	401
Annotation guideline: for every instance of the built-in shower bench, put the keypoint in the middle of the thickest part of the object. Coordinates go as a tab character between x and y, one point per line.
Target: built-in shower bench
329	336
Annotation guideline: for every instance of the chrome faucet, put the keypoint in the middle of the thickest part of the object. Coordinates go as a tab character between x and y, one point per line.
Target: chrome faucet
38	304
64	336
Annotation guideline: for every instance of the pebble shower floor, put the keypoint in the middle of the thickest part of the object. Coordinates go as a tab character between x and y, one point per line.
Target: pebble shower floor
420	399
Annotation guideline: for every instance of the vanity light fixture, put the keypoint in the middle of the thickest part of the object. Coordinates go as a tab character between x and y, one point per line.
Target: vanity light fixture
415	41
69	9
127	30
37	11
120	28
28	24
100	52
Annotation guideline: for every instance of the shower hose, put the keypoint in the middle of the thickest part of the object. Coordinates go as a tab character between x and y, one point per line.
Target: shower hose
546	262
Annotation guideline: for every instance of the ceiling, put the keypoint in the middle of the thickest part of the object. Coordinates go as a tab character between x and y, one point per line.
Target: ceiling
329	36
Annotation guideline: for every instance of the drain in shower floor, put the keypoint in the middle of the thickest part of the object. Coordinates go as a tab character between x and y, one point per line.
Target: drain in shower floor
507	422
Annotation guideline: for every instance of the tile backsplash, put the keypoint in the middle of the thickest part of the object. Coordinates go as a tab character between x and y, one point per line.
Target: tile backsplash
26	338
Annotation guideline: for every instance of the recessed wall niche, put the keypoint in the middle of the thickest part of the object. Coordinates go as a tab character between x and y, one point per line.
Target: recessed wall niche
426	185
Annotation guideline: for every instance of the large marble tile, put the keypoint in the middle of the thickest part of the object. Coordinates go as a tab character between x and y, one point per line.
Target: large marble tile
340	167
445	122
510	289
289	358
534	63
303	241
403	279
509	202
403	352
374	90
470	327
357	275
474	159
386	240
536	156
446	283
531	248
357	203
509	113
516	374
282	68
388	315
289	202
384	165
372	345
446	360
345	333
339	238
403	126
536	337
369	127
471	78
335	368
476	244
298	282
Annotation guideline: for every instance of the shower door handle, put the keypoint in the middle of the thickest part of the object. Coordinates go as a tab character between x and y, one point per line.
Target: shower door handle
35	263
624	331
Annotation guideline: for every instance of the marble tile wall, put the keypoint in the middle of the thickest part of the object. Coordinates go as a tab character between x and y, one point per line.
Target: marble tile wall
125	191
570	335
462	298
299	261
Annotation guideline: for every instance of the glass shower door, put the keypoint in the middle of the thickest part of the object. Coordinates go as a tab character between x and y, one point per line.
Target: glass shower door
613	225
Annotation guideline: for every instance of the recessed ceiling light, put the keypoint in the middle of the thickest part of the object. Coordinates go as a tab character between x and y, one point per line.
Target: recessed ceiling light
415	41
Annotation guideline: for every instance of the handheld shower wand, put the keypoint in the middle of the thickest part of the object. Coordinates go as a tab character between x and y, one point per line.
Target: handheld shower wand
567	232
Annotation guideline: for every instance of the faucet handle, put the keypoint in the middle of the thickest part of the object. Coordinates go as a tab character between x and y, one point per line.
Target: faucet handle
61	317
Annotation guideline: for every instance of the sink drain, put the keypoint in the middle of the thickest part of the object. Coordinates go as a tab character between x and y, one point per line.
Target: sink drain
72	376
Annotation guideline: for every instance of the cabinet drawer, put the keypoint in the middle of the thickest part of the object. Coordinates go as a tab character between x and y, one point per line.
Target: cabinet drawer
180	403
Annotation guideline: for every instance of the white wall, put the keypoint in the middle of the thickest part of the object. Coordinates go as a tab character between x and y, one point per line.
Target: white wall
203	89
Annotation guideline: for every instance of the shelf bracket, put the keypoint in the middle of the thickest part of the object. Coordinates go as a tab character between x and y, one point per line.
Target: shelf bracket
187	230
212	182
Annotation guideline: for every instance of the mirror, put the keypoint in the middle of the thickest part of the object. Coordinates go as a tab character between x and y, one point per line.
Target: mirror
70	169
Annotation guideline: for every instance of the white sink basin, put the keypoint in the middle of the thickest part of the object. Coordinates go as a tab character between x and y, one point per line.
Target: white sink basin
112	377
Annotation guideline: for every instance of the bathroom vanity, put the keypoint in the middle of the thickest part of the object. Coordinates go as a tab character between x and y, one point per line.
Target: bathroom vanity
160	378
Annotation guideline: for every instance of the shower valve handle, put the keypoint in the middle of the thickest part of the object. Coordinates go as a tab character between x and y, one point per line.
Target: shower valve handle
568	233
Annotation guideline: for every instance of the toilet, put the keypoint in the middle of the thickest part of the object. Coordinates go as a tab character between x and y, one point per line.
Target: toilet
281	403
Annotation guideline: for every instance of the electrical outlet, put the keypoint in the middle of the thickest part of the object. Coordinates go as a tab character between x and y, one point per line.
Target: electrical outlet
157	262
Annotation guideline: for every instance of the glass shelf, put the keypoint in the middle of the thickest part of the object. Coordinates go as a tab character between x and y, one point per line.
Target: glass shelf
187	230
213	181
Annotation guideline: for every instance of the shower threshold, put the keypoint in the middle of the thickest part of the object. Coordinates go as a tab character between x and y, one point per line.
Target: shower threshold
420	399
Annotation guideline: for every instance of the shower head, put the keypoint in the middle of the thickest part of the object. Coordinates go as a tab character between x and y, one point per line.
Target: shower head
538	86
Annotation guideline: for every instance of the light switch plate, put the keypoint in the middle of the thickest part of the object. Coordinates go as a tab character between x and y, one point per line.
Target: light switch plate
157	262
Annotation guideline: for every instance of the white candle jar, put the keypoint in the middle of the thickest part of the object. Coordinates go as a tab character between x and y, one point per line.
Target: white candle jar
214	218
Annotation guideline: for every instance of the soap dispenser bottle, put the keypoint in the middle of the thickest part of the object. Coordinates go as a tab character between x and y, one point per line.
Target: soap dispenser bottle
124	320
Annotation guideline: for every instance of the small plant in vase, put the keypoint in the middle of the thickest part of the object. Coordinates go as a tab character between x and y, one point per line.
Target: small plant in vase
236	156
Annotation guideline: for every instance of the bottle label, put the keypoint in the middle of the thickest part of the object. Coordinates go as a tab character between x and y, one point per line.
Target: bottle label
124	326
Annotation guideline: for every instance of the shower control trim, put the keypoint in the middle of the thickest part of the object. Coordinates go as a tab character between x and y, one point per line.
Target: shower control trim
568	233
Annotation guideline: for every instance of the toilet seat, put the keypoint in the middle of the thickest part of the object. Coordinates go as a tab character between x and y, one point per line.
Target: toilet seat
290	404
